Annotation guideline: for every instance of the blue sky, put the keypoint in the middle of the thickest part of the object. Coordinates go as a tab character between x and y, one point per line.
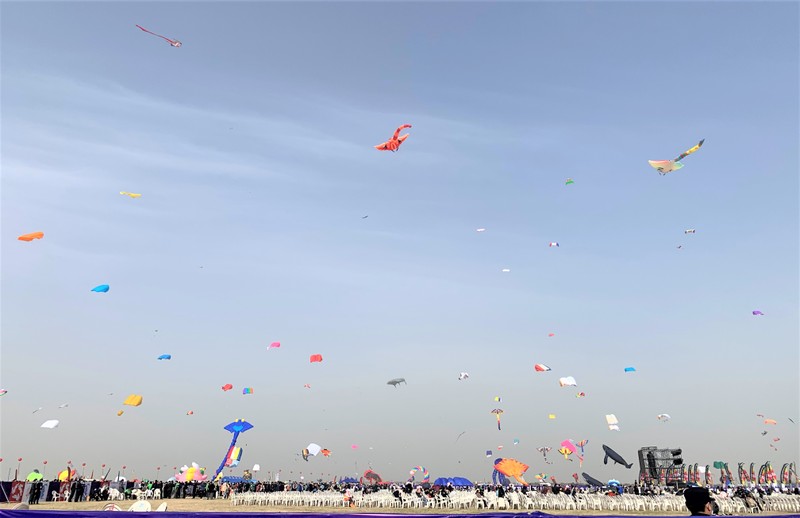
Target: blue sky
252	148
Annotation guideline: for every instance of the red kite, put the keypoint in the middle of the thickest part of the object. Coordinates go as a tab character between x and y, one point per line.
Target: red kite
315	358
393	144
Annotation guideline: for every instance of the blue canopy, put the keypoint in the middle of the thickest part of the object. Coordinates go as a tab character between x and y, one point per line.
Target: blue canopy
348	480
454	481
234	479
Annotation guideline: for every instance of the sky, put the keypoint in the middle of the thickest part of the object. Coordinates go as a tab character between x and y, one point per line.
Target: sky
267	215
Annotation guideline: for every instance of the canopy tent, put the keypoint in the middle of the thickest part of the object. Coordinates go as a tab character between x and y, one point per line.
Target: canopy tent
348	480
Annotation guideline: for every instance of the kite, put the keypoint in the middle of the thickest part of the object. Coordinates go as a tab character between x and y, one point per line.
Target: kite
591	480
189	474
689	231
568	381
616	457
311	450
306	385
393	144
580	394
365	217
36	410
663	417
133	400
227	387
543	450
480	230
541	367
551	416
569	181
314	358
770	421
488	453
130	194
630	369
667	166
165	357
511	468
498	412
396	381
552	244
63	405
516	441
551	335
30	237
500	447
463	375
247	390
370	478
102	288
274	345
325	452
354	446
190	412
173	43
582	443
764	433
566	452
498	399
120	413
757	313
3	392
53	423
505	270
233	455
426	477
611	419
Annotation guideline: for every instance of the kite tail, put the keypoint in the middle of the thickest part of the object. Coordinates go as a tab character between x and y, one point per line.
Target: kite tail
222	464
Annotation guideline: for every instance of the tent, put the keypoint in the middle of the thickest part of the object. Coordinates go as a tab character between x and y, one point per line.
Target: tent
348	480
454	481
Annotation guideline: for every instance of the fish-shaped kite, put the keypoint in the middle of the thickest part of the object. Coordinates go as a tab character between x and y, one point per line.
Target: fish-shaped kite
667	166
30	237
173	43
393	144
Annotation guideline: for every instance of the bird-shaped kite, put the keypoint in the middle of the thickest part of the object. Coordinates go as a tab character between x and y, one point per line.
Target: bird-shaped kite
173	43
667	166
393	144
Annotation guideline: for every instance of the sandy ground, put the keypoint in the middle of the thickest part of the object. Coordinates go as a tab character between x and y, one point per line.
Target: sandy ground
224	506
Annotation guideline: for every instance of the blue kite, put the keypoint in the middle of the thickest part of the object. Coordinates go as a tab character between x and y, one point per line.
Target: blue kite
233	454
165	357
103	288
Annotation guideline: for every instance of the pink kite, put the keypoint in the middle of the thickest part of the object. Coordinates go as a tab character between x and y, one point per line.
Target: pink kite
393	144
315	358
174	43
274	345
227	387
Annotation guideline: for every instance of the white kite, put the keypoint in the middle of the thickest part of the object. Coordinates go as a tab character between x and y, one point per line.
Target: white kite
463	375
567	381
612	421
53	423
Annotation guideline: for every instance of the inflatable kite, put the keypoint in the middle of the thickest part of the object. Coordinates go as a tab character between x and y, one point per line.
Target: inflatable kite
667	166
173	43
396	381
102	288
311	450
165	357
568	381
370	478
426	477
226	387
616	457
314	358
541	367
663	417
274	345
189	474
393	144
630	369
233	454
130	194
31	236
511	468
463	375
758	313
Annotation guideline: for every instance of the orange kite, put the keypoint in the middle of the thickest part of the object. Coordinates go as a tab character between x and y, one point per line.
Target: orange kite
31	236
393	144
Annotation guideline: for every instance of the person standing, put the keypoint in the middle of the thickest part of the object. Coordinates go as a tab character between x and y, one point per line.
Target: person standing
699	501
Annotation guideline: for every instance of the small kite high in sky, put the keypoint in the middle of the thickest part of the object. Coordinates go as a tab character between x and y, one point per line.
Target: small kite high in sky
667	166
226	387
130	194
165	357
30	237
463	375
757	313
552	244
498	412
567	381
102	288
613	423
315	358
53	423
396	381
541	367
630	369
274	345
173	43
690	231
569	181
393	144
